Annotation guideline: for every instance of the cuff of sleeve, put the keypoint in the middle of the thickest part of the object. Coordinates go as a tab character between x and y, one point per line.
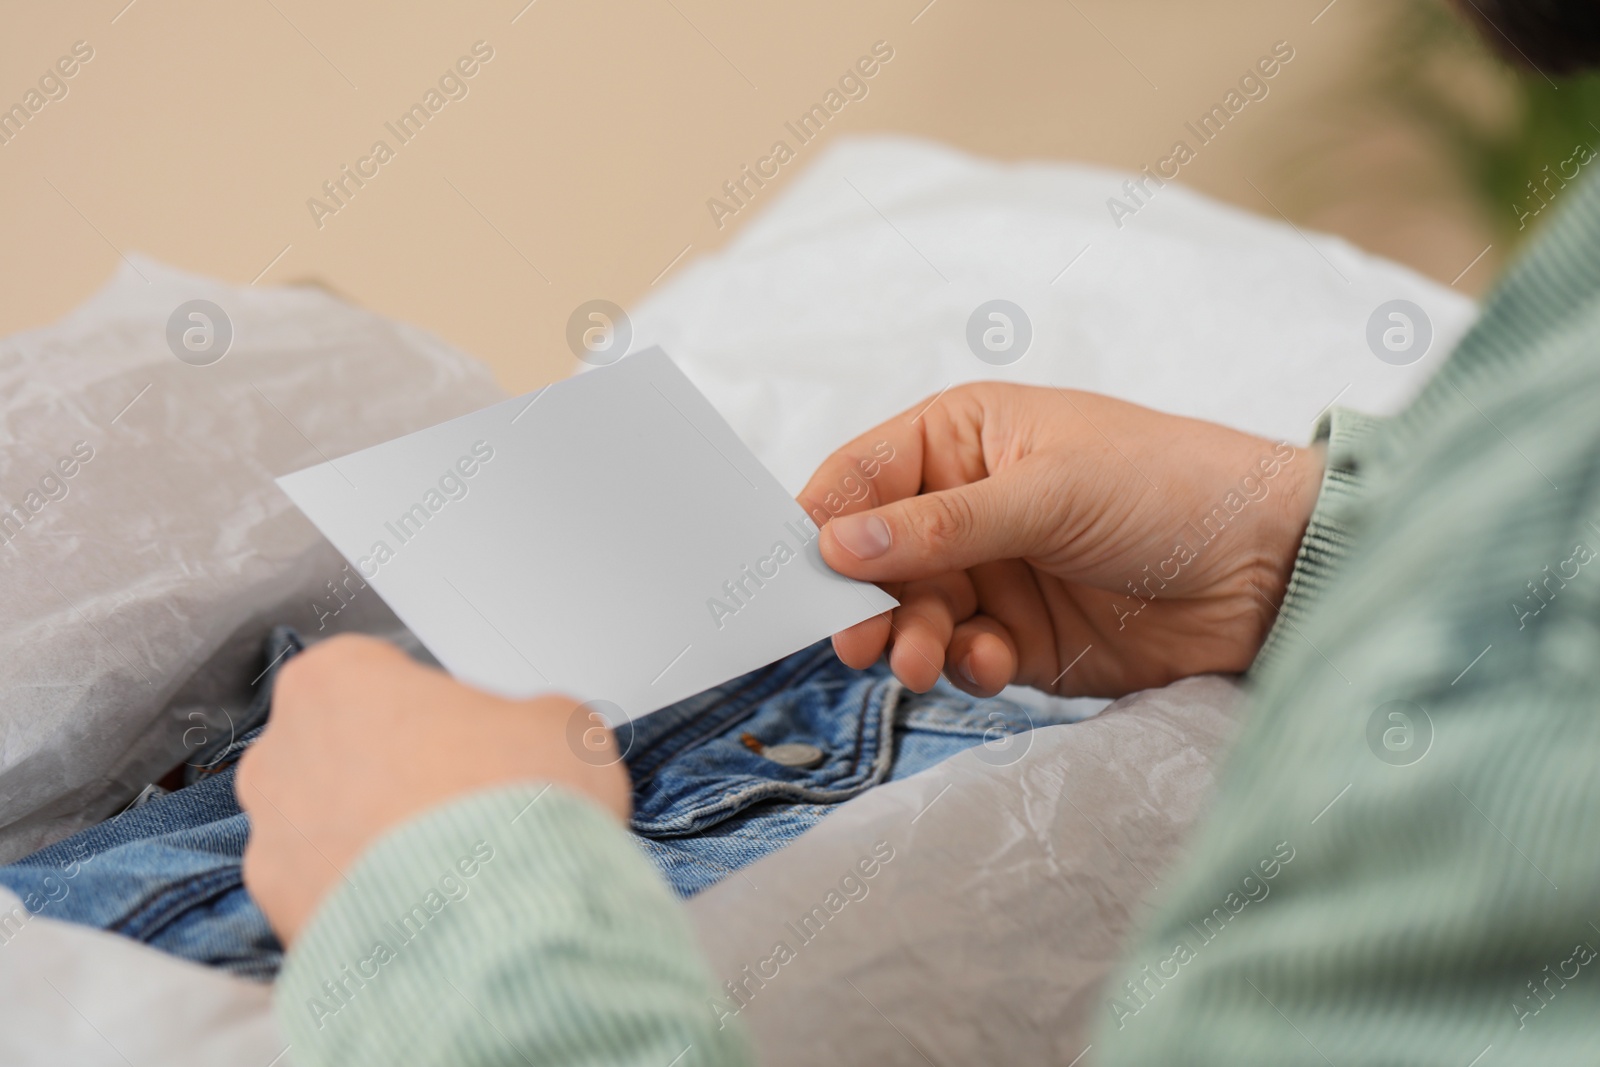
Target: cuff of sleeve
520	924
1330	533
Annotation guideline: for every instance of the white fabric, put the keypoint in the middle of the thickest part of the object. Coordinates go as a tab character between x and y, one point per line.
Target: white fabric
73	995
823	318
827	314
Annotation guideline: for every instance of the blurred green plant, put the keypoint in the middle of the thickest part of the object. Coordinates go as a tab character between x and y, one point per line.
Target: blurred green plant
1514	135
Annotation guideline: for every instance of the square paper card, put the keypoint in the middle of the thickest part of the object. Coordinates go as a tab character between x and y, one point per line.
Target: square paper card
608	536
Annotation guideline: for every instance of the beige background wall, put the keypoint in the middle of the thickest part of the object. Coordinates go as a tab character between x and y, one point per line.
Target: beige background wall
580	161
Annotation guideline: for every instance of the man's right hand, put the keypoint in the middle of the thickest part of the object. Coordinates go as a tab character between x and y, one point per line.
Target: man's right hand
1062	540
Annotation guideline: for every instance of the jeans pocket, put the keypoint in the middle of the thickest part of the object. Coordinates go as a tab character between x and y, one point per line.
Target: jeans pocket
806	730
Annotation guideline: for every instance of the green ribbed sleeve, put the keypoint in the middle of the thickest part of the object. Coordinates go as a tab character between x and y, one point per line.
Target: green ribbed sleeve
1399	865
515	926
1346	436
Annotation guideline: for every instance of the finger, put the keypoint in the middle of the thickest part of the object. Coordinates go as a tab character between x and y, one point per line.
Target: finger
879	466
922	626
277	868
1009	593
255	867
244	776
999	517
859	646
255	770
982	657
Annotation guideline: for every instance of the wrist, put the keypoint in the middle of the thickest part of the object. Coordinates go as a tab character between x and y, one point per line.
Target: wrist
1302	487
1278	536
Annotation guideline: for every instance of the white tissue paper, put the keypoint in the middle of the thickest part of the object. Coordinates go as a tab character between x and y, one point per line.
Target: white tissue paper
138	586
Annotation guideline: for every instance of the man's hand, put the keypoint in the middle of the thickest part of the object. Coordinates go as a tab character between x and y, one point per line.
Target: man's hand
1023	528
361	739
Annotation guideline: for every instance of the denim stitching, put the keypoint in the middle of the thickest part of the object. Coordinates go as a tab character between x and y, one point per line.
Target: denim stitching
697	818
673	736
144	921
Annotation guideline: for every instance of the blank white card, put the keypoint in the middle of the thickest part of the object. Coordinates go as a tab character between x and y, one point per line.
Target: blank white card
609	537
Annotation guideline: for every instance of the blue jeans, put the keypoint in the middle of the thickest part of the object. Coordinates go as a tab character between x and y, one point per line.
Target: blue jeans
707	801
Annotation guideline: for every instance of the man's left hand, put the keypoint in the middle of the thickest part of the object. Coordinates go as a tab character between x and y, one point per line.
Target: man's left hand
361	739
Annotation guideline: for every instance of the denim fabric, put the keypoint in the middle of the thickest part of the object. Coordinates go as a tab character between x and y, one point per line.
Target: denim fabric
706	800
167	872
706	804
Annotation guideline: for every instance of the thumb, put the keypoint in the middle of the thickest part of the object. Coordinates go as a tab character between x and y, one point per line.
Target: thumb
935	533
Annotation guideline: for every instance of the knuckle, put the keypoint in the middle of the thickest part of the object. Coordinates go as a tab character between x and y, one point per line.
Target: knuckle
349	646
326	665
946	520
292	681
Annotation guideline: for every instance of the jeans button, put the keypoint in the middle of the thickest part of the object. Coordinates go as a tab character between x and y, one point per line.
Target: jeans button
795	754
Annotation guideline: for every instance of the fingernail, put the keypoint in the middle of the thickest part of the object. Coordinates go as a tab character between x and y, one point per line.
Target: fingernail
965	669
863	536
